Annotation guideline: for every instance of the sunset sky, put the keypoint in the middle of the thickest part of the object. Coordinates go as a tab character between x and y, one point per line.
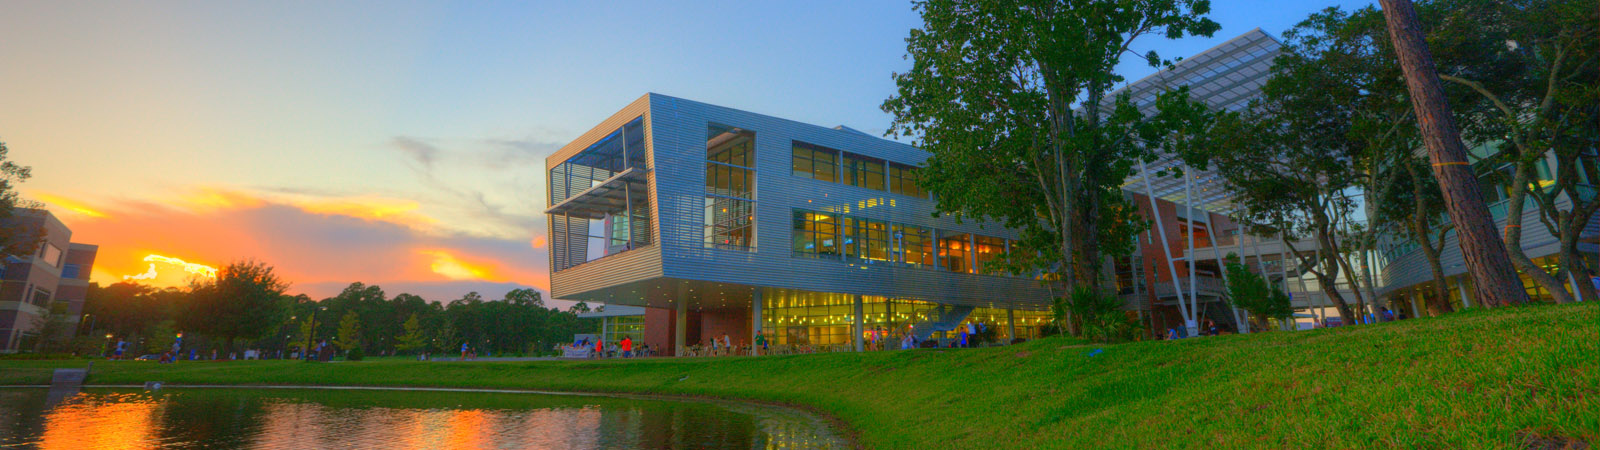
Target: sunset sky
401	143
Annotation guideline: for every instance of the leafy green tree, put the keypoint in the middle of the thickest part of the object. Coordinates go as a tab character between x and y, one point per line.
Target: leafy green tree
414	339
1013	101
349	337
1414	209
1097	314
1249	291
245	300
1534	66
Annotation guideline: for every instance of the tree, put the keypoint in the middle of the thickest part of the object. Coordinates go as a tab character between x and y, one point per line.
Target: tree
54	336
1413	210
1481	246
125	308
414	338
349	337
1249	291
15	240
1012	100
1533	69
1291	159
244	300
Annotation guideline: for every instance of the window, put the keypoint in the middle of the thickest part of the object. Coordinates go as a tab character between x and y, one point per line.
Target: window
730	187
903	180
915	245
816	234
730	145
864	172
728	223
866	239
51	255
953	250
40	298
815	162
67	271
729	181
988	249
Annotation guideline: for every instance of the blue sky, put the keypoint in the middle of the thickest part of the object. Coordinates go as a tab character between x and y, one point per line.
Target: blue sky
197	129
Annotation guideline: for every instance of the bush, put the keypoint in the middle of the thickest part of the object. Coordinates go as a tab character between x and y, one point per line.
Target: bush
355	354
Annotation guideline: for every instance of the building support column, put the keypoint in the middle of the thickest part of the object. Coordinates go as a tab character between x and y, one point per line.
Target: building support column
1011	324
605	329
860	324
1461	285
1193	321
755	320
680	321
1240	317
1166	248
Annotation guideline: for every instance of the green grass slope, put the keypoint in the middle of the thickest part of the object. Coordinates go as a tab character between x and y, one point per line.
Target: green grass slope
1509	378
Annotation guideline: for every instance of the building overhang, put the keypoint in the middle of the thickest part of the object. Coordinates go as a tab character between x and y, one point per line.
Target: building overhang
607	197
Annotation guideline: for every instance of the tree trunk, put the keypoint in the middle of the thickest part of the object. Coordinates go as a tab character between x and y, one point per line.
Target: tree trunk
1440	303
1481	247
1330	277
1514	207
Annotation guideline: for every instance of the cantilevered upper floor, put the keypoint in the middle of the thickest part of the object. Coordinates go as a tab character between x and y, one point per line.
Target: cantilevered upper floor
671	198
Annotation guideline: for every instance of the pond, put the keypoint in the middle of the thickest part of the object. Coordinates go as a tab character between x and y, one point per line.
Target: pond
229	418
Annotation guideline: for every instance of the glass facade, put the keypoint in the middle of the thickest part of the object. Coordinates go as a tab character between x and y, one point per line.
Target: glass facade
805	321
955	252
815	162
730	187
816	234
863	171
903	180
987	250
618	327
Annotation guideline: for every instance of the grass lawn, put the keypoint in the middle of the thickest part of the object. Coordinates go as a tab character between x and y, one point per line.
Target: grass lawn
1510	378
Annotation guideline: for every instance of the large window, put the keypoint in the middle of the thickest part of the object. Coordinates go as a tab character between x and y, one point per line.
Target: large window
987	250
915	245
815	162
730	187
816	234
728	223
863	171
953	252
903	180
866	239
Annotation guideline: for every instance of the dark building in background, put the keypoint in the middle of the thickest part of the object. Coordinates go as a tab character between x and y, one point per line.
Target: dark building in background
53	279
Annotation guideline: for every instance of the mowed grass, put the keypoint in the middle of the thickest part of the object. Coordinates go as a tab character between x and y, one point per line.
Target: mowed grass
1521	377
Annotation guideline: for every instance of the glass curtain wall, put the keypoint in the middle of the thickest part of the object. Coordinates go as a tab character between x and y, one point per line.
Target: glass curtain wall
730	188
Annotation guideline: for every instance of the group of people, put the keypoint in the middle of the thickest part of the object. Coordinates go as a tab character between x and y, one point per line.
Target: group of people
624	348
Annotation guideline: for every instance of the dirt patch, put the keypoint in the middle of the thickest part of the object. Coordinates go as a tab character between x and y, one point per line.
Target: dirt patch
1534	441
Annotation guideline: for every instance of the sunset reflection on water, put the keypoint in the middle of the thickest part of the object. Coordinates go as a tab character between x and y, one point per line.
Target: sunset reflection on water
269	419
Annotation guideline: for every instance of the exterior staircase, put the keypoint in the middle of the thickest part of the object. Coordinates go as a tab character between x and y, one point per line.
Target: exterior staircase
949	317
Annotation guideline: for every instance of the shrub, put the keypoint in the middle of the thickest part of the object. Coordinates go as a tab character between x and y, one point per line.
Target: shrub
355	354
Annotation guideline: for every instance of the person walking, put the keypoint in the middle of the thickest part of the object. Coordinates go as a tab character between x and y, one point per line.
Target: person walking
599	348
761	343
627	347
463	351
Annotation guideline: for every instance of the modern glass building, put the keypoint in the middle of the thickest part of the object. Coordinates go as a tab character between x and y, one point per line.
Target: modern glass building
726	223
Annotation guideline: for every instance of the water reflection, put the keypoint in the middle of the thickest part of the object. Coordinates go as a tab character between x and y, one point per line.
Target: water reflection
296	419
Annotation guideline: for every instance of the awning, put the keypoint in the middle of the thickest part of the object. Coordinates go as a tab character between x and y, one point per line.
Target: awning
608	197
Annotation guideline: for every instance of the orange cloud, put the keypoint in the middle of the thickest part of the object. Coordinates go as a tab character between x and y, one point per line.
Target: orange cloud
539	242
63	203
449	266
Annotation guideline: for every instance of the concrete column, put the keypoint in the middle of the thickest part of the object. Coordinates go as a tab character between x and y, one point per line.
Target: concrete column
860	325
1415	312
1011	324
605	330
755	319
1461	285
681	322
